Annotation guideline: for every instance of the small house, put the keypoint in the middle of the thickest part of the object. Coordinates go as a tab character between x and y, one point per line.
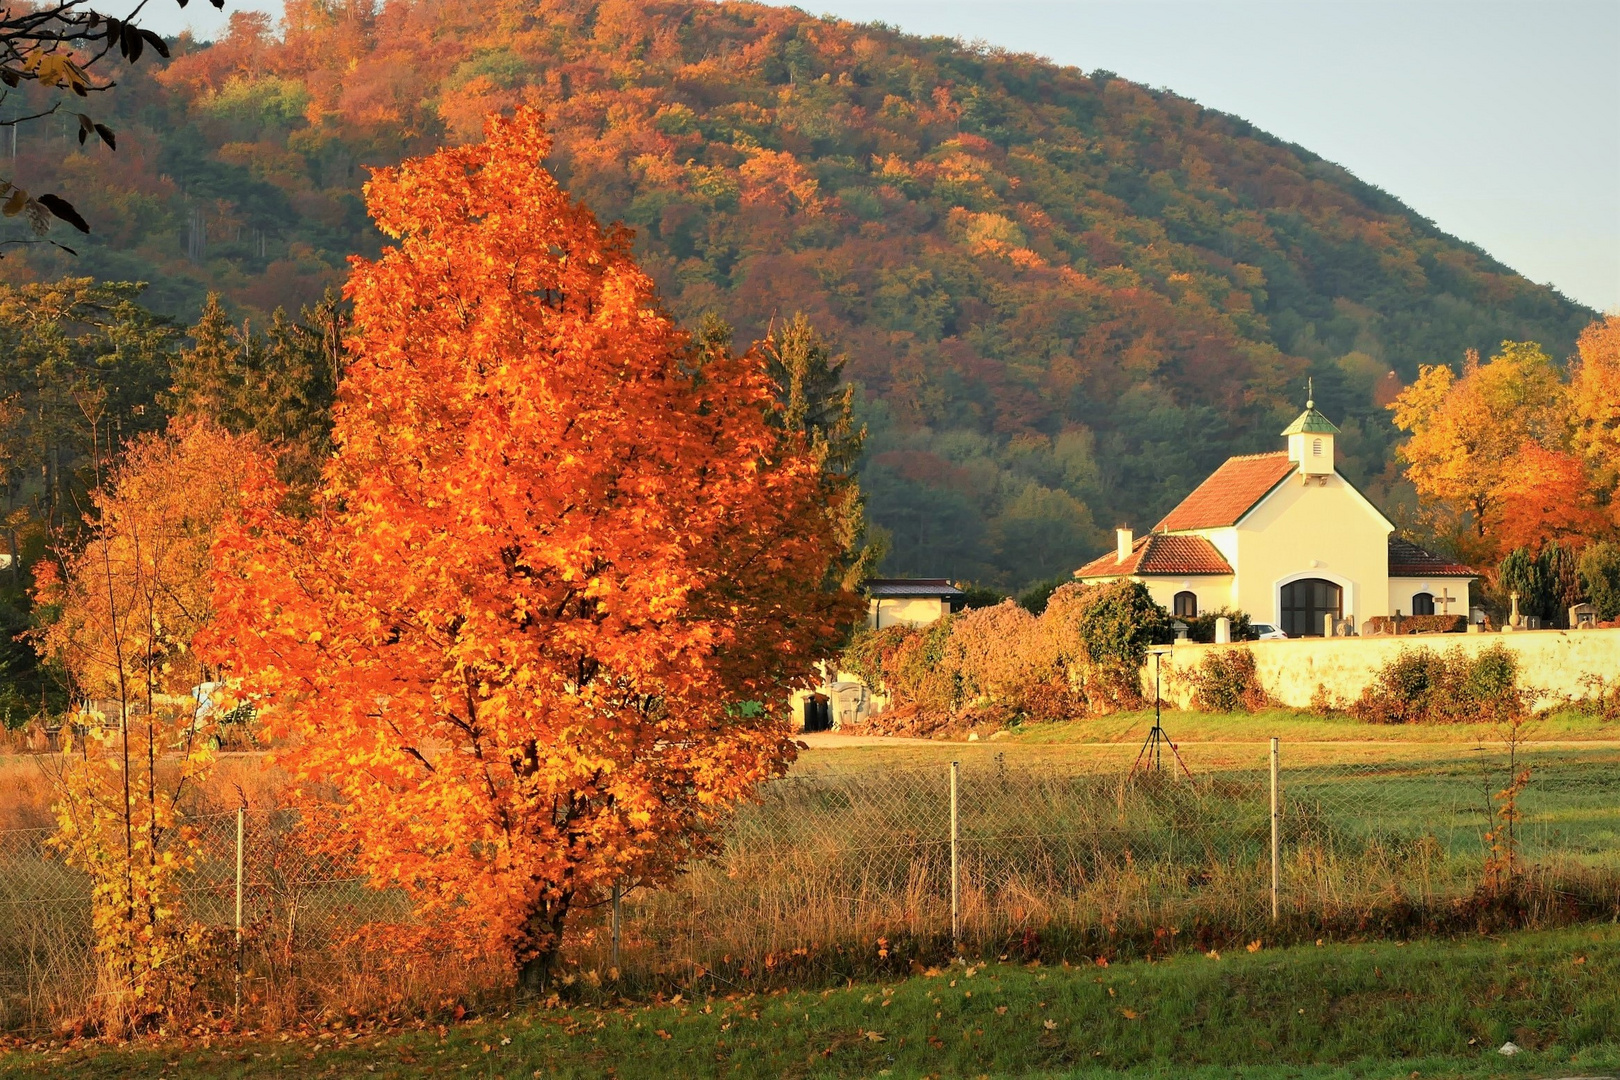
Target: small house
909	601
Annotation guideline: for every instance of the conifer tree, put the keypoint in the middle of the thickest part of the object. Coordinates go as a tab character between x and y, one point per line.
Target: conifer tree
807	377
210	376
280	385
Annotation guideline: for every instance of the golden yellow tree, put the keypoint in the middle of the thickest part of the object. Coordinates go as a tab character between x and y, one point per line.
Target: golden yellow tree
126	608
1594	399
1468	433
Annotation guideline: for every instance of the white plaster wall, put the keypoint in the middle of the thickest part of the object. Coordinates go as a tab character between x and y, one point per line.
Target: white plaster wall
1212	591
1552	662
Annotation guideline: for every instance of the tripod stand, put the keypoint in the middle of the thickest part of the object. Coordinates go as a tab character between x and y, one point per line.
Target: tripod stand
1149	757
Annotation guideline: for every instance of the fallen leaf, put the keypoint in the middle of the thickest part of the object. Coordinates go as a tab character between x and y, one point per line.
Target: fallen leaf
874	1036
662	1034
1049	1025
1001	1010
1254	946
1129	1014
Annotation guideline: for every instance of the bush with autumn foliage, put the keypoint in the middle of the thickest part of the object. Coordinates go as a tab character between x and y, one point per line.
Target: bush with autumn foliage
1081	656
1421	686
561	571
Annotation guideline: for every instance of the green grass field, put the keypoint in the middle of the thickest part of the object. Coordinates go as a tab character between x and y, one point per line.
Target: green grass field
1431	1009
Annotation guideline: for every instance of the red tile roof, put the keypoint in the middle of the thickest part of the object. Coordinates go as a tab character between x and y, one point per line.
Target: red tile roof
1156	553
1230	492
1406	559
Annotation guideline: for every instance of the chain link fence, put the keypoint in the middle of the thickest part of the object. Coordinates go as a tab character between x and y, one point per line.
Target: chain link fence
1100	850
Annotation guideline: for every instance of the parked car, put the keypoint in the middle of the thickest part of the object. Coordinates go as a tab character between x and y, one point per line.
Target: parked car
1264	631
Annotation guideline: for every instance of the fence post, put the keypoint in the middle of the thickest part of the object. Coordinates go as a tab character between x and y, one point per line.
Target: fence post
241	823
1276	846
616	895
956	924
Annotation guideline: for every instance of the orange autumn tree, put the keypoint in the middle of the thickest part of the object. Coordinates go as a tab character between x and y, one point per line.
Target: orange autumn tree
559	577
1477	439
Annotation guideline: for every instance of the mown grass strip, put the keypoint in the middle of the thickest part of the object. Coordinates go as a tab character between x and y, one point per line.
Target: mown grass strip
1434	1009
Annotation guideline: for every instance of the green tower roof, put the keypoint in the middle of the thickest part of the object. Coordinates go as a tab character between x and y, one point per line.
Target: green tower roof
1311	422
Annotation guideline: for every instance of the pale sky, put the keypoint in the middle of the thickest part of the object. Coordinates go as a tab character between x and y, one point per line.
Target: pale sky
1497	119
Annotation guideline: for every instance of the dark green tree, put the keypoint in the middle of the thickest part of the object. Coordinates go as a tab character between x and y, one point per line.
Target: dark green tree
1561	582
1521	572
280	385
816	402
81	367
1599	570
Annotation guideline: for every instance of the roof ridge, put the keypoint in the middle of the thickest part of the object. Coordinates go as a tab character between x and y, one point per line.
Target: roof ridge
1251	457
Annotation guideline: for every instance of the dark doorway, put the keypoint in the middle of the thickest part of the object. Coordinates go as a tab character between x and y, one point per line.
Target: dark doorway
817	713
1305	603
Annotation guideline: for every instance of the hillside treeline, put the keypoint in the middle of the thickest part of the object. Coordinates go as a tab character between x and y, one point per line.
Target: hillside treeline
1064	297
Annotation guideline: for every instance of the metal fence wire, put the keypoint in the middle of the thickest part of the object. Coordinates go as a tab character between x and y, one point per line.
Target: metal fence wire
1245	838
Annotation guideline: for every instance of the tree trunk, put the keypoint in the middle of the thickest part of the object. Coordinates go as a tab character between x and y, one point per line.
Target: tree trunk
545	927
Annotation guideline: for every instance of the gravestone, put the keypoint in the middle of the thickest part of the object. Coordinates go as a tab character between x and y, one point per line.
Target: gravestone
1582	617
1223	630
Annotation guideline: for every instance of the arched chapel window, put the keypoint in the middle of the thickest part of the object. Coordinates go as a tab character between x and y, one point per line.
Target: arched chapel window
1186	605
1423	603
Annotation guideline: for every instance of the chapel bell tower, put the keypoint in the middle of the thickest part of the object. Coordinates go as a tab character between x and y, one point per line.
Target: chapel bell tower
1310	442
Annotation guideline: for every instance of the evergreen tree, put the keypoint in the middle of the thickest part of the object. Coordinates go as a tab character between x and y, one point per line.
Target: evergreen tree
1561	583
807	377
1599	568
280	386
210	376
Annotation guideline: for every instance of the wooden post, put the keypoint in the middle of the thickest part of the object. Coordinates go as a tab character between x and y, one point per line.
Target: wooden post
1276	846
616	895
956	921
241	823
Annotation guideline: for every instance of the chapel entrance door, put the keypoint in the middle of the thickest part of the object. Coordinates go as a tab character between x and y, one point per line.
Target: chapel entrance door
1304	603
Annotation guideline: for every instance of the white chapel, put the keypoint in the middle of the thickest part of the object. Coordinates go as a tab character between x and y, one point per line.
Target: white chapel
1285	538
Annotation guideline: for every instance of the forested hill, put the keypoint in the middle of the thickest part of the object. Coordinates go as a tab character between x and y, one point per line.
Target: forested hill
1065	297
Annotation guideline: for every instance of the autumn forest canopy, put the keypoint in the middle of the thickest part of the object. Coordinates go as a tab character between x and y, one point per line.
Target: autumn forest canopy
1063	298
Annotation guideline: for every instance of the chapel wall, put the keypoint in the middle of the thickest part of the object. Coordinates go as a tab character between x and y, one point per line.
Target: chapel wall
1213	591
1304	522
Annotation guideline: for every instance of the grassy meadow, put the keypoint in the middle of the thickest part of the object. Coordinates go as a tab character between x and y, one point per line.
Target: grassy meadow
841	871
1371	1010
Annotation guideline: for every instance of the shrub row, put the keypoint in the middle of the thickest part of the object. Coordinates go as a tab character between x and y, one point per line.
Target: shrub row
1083	654
1421	686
